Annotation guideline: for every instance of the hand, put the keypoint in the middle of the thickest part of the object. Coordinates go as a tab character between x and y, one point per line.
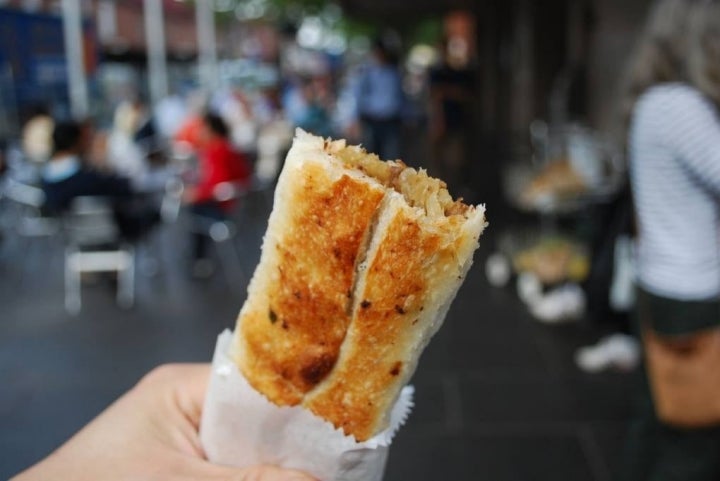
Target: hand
150	433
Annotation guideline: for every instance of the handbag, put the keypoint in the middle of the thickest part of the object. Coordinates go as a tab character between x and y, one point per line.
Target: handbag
683	367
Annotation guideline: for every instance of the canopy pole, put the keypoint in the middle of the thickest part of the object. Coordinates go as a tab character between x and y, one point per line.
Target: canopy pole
73	36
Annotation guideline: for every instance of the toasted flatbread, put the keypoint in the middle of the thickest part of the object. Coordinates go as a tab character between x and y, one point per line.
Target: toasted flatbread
359	265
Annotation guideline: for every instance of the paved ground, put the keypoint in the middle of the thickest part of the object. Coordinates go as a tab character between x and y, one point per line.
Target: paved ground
498	397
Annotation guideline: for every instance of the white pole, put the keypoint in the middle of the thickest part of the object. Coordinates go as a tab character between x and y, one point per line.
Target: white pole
157	61
207	51
77	83
106	20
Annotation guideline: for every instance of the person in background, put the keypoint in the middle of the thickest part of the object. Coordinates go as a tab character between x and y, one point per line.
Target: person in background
314	117
188	141
132	158
169	114
220	164
292	98
124	155
672	103
151	432
66	177
379	102
235	107
450	115
146	133
37	135
274	139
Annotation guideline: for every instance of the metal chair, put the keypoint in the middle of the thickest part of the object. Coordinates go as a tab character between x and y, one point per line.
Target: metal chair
29	220
171	200
93	246
223	232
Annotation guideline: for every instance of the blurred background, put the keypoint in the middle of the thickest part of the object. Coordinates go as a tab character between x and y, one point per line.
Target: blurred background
514	103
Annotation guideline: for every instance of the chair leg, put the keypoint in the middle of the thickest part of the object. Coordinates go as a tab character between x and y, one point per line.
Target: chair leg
126	283
73	300
146	257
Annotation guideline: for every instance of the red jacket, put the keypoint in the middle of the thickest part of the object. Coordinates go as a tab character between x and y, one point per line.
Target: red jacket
220	163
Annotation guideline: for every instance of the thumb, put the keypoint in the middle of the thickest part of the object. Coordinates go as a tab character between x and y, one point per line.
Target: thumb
265	473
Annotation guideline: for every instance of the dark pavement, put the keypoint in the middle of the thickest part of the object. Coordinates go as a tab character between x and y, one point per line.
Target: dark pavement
498	396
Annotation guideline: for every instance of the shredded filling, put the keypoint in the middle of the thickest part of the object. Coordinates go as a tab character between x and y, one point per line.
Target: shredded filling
418	188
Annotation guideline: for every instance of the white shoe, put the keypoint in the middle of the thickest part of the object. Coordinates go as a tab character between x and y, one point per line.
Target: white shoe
529	288
565	303
618	351
498	270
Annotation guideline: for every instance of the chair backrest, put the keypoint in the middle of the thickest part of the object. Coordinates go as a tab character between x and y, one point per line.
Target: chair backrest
24	194
26	215
171	200
89	222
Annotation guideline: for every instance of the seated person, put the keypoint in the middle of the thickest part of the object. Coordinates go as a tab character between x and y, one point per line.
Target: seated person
36	135
133	151
66	177
218	163
124	155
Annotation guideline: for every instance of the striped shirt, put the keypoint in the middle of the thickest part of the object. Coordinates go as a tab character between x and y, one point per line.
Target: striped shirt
675	176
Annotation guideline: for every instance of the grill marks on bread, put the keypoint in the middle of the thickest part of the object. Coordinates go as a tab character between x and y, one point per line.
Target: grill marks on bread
359	263
353	394
313	266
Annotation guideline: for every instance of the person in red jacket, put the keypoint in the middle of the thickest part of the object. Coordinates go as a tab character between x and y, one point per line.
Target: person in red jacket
219	164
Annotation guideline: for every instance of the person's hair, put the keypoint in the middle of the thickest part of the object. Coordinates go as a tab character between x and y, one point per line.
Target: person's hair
38	109
680	43
66	136
384	50
216	124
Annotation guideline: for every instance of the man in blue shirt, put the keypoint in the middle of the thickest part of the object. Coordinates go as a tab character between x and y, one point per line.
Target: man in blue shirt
379	101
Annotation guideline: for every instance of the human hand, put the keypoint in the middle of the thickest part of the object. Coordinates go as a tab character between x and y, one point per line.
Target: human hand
150	433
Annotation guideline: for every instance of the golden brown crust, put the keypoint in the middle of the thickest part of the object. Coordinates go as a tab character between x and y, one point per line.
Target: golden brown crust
360	263
362	385
292	339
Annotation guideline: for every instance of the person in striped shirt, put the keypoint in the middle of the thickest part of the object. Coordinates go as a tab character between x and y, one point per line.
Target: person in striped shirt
673	95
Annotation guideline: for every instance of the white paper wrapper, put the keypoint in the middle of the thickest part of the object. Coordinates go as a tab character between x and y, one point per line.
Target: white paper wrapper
240	427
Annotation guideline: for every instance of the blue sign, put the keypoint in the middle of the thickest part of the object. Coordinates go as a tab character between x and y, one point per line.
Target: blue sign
32	49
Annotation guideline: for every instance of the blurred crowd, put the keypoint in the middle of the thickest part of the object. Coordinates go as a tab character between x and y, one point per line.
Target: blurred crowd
208	149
